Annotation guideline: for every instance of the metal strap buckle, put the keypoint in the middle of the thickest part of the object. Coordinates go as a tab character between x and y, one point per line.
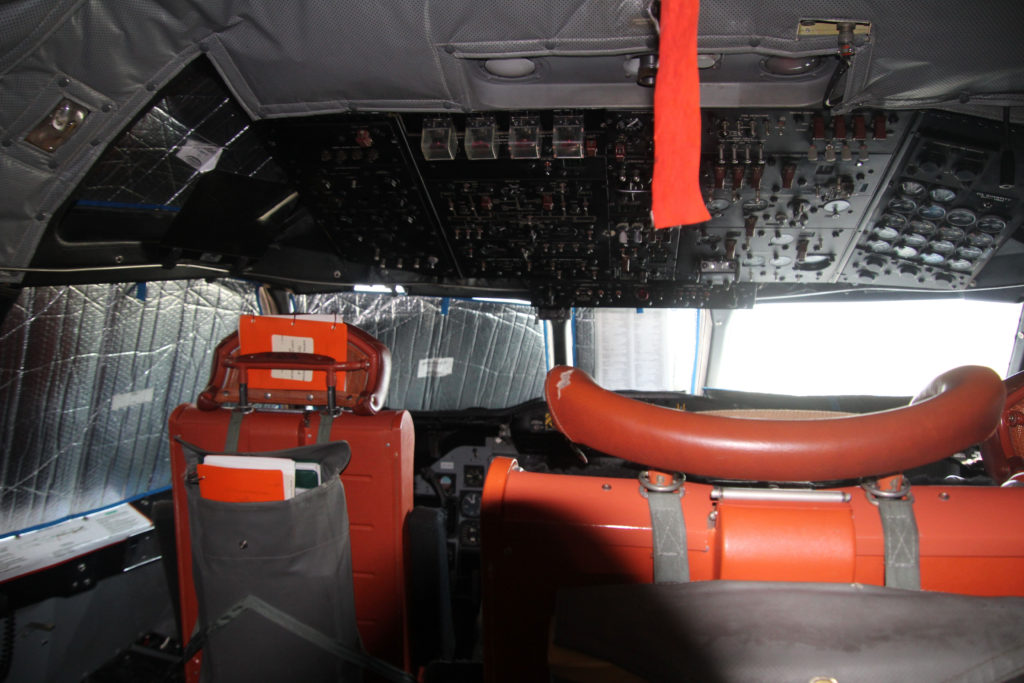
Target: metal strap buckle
660	485
875	492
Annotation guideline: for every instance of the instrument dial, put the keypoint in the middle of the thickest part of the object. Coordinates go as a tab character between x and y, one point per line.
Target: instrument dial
932	212
951	233
922	227
912	189
961	217
980	239
903	205
991	224
971	253
887	233
893	220
943	195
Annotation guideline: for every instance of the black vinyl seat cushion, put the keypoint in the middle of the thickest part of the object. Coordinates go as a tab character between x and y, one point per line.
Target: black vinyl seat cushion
762	631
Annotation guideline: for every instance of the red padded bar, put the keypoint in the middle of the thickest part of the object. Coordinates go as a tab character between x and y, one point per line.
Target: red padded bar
958	409
1003	452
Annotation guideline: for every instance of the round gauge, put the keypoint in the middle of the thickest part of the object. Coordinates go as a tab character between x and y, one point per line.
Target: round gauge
912	189
922	227
947	232
887	233
943	195
903	205
933	259
754	205
893	220
879	246
961	217
718	205
780	261
753	261
470	504
960	264
781	239
991	224
915	239
932	212
980	239
943	246
904	251
972	253
836	207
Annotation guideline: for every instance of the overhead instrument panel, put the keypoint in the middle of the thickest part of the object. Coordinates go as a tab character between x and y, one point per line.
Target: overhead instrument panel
787	190
945	211
359	178
561	201
558	202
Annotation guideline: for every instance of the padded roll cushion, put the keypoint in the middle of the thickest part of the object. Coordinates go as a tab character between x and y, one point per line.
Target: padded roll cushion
958	409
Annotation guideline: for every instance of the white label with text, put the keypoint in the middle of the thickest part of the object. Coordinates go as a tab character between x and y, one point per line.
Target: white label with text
282	343
435	367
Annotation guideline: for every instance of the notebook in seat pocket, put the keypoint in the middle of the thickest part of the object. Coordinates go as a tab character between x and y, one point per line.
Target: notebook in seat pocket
242	479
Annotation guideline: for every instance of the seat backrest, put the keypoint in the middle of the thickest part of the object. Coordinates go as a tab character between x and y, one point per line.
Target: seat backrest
541	532
364	390
378	480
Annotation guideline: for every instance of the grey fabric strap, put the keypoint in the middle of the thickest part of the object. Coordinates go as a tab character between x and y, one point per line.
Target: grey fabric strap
307	633
668	533
902	556
323	434
234	431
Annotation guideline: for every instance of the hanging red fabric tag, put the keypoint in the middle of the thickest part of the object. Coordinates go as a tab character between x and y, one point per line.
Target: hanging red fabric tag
676	196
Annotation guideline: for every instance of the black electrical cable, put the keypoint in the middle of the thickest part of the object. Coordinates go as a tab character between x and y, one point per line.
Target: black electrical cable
833	83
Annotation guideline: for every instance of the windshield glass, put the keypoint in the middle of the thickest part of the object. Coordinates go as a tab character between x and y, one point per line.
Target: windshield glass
882	348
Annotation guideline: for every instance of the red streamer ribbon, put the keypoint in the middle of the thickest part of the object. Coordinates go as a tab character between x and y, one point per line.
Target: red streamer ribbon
676	197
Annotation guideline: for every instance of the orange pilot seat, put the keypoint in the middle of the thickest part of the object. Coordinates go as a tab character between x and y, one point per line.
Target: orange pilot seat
542	532
378	484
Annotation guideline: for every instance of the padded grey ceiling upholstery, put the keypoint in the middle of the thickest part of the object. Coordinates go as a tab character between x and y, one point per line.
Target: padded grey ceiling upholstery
300	58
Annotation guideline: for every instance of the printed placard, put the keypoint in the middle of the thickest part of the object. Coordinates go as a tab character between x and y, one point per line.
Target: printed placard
288	344
435	367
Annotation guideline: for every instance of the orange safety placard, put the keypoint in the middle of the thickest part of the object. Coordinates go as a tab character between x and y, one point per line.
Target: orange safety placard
323	334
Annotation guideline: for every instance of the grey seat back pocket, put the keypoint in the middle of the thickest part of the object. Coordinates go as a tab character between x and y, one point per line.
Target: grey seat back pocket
292	555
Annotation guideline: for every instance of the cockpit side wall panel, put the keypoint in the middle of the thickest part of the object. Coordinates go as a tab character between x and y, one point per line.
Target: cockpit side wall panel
88	374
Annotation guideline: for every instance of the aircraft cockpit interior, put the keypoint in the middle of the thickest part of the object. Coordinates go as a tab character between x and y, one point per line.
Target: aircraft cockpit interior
451	340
